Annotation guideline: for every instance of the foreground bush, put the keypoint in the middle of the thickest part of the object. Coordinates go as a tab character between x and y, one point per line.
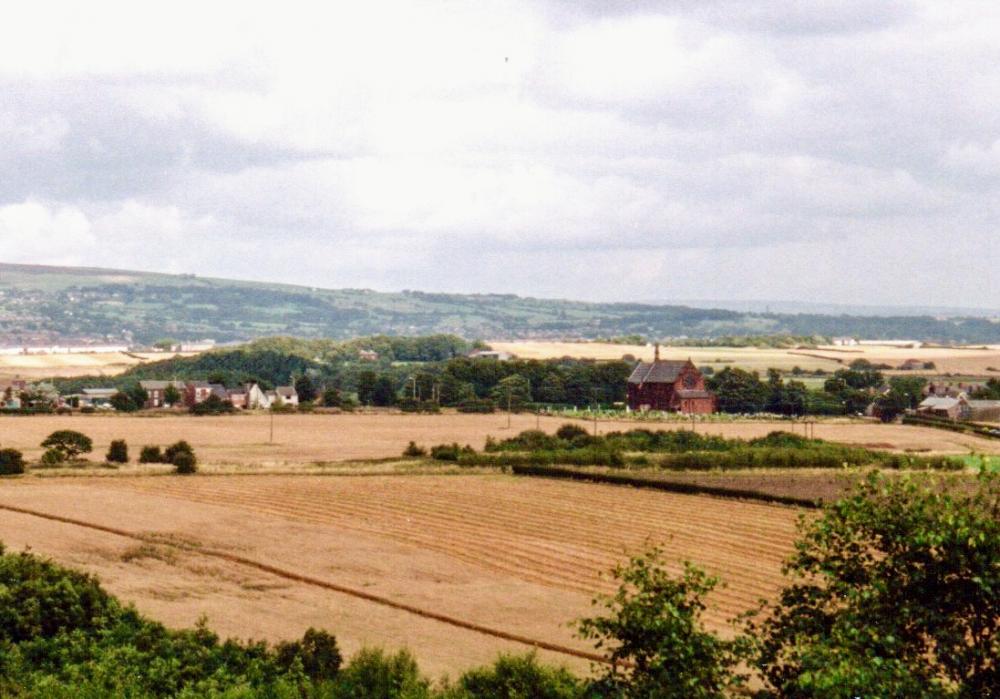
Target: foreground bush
11	462
654	634
894	591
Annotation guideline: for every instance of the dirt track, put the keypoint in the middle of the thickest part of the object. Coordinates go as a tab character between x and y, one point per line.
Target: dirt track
519	556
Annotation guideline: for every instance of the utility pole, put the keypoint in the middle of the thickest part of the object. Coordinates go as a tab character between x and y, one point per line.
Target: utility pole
270	439
508	407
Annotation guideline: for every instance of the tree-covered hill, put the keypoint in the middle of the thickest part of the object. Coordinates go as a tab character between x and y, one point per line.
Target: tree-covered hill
39	304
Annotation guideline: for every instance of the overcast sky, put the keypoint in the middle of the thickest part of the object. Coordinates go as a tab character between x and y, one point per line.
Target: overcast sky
833	150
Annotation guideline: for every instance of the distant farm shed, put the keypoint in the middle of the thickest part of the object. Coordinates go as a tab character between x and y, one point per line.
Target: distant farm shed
673	386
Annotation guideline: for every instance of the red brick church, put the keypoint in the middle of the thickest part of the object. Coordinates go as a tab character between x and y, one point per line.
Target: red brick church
673	386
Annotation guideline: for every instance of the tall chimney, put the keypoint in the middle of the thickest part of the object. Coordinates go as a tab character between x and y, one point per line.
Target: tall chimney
656	353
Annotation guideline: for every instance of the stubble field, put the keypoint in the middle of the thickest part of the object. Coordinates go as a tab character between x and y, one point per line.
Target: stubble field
515	556
244	441
968	361
35	367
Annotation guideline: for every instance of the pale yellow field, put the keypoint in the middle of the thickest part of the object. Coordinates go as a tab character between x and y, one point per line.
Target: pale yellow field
515	555
40	366
968	361
303	440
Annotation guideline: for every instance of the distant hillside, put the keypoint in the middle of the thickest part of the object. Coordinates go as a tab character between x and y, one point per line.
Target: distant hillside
41	304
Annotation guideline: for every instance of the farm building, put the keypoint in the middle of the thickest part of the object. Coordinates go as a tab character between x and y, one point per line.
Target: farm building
675	386
942	406
982	410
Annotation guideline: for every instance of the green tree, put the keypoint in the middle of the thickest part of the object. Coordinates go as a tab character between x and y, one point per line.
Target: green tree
513	391
552	389
738	391
890	405
306	389
331	397
366	387
123	403
171	395
68	443
894	592
911	387
384	391
655	636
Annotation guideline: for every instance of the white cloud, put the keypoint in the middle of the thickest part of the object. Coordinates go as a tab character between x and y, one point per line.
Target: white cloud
32	231
698	149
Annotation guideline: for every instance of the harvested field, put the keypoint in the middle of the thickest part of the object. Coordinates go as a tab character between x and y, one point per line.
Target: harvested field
303	440
967	361
520	555
43	366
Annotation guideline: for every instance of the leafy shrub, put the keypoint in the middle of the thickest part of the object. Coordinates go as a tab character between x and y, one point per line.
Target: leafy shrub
64	637
151	454
53	457
517	677
658	643
446	452
569	432
117	452
892	592
453	452
88	410
413	450
11	462
317	653
376	674
185	463
477	405
68	443
176	448
213	405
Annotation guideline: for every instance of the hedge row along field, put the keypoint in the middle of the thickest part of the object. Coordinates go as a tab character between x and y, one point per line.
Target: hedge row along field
679	450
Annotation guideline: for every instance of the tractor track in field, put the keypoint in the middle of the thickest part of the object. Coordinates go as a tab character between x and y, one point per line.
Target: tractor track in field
561	542
316	582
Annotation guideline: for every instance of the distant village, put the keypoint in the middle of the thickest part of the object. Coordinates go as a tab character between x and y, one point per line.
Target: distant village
17	394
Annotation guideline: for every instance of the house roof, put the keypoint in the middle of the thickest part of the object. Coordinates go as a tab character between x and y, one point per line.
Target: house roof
160	385
98	392
983	403
286	391
663	371
219	390
939	402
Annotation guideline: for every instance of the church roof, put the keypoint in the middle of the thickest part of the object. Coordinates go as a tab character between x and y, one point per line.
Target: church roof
663	371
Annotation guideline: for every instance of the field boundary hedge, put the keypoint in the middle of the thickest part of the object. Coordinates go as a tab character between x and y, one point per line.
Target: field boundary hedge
664	485
945	424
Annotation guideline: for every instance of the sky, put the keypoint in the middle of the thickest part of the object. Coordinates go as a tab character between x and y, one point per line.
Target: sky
835	151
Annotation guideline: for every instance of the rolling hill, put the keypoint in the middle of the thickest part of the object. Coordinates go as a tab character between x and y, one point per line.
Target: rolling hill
48	304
